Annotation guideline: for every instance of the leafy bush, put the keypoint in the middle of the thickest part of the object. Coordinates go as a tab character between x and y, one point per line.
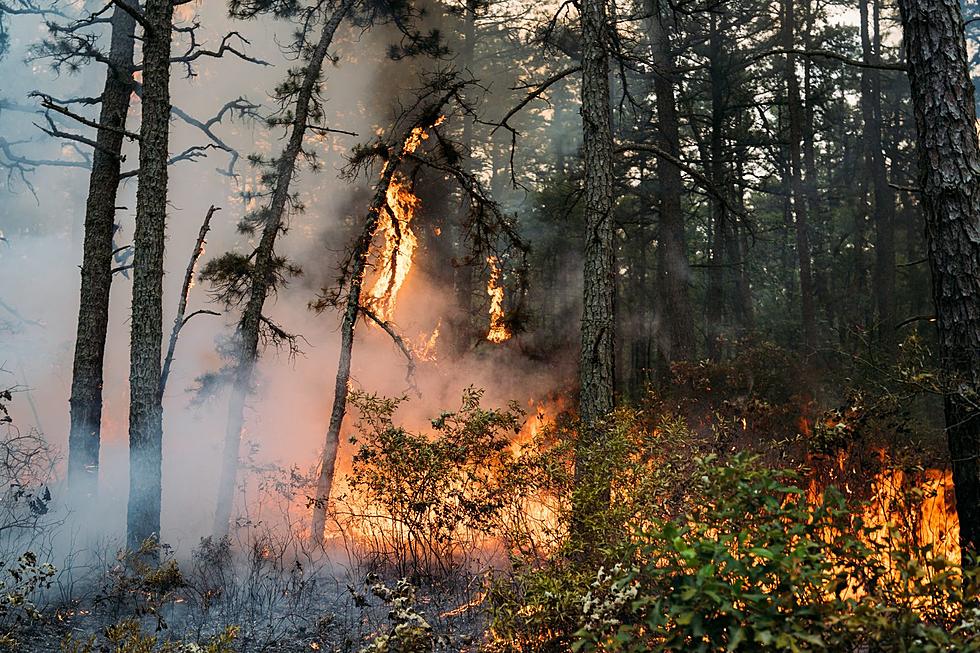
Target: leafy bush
409	631
20	582
537	606
423	504
143	581
757	566
731	555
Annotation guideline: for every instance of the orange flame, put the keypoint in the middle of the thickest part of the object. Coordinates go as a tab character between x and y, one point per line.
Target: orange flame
424	348
398	247
399	240
498	330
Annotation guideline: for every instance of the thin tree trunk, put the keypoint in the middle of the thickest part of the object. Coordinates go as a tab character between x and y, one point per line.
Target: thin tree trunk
743	286
884	196
597	365
797	182
264	273
352	308
945	118
675	271
93	308
145	410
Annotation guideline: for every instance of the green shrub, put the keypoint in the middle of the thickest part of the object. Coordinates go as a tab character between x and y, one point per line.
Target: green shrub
757	566
422	504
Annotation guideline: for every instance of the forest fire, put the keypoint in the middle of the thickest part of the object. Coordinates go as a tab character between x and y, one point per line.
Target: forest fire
499	332
898	507
479	361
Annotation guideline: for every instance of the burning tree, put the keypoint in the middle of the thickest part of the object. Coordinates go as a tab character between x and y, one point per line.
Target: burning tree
247	281
388	221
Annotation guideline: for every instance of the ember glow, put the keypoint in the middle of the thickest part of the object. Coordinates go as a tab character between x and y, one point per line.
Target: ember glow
498	330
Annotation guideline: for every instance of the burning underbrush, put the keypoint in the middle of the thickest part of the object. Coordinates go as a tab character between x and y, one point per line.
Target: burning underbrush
741	516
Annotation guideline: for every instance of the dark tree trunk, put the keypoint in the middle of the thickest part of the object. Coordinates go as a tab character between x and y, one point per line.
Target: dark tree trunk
945	118
745	312
145	410
93	309
720	245
797	182
597	363
676	314
264	272
883	195
464	277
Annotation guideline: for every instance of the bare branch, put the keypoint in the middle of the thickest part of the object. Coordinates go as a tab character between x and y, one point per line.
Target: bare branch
829	54
535	93
400	343
179	319
48	103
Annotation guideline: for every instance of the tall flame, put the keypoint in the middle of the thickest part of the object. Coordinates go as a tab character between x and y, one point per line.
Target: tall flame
498	330
397	249
399	240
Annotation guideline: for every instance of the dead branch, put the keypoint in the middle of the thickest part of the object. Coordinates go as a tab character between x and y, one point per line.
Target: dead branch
48	103
179	319
400	342
698	178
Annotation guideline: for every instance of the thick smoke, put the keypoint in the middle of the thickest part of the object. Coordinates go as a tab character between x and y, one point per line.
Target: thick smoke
288	413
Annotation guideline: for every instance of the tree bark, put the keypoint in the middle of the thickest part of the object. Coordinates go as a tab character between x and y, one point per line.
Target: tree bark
145	410
597	364
797	182
463	334
264	272
93	307
945	118
676	314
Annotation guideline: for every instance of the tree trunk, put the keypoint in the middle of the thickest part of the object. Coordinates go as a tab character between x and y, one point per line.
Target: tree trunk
884	196
743	287
797	182
352	308
463	333
597	365
264	273
945	118
715	295
676	313
93	308
145	410
180	320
